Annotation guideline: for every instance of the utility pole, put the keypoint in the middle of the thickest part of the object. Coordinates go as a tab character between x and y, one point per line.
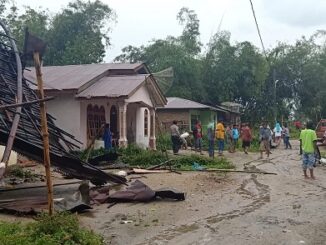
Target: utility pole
34	47
275	81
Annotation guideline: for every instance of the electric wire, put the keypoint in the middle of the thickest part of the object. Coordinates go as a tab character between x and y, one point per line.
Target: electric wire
258	30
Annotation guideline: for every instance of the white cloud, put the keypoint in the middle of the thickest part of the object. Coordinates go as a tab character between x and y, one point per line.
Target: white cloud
303	13
143	20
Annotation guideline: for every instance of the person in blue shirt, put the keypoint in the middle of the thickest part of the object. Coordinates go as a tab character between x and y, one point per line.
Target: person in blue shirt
107	137
235	136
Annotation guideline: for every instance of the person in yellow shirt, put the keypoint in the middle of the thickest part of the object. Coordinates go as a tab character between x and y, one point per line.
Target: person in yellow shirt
220	136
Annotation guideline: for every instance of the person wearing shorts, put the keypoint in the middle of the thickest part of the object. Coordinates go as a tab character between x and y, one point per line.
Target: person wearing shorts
308	144
246	137
264	136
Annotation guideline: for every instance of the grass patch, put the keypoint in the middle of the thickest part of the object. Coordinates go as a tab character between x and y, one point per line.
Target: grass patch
19	172
136	156
163	142
61	228
82	155
186	162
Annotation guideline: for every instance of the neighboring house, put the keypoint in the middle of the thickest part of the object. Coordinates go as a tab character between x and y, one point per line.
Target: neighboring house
87	96
234	114
187	112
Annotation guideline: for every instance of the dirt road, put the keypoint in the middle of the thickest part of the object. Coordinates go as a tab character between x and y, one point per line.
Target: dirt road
225	208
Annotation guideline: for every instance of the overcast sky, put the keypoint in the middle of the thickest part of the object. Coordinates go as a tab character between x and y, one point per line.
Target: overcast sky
138	22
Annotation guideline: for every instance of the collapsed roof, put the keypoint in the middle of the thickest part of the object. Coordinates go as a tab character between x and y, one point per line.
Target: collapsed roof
28	137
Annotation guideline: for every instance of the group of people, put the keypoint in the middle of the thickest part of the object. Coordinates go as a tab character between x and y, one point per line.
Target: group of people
269	138
215	133
229	135
218	133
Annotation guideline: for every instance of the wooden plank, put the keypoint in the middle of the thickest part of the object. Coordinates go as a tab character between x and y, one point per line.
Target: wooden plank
23	104
46	143
145	171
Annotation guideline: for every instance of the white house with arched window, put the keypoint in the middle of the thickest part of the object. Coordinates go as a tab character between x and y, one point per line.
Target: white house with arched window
88	96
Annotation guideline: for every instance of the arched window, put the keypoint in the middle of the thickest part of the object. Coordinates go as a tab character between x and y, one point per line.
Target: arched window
95	119
146	122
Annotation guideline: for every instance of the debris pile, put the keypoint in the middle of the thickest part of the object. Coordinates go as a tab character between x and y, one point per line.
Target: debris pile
28	137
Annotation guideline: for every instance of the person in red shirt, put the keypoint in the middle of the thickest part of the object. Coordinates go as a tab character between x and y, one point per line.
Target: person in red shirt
246	137
198	134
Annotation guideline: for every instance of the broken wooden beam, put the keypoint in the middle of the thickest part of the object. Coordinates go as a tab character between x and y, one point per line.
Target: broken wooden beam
23	104
231	171
160	165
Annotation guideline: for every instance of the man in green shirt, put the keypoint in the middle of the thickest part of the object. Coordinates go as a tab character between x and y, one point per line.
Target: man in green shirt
308	144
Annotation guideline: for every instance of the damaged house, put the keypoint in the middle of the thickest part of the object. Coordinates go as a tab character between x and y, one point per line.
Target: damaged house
87	96
21	129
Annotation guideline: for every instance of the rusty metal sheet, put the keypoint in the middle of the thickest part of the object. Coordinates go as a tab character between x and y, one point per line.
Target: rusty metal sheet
74	76
113	87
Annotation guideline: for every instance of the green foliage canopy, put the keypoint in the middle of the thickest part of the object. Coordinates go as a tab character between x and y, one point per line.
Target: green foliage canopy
78	34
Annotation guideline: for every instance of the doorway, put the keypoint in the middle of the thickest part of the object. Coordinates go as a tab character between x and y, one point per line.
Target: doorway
114	121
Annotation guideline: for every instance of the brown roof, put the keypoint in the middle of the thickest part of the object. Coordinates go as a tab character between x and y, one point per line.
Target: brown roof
75	76
180	103
113	86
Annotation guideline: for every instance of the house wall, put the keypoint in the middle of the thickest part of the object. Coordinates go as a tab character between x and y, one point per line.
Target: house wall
189	117
67	112
205	116
71	115
141	94
167	116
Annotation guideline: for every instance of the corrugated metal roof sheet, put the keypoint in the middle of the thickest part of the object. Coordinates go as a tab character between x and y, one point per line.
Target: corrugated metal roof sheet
74	76
180	103
113	86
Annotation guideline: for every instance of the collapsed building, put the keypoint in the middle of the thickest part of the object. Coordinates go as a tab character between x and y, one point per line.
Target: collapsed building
21	125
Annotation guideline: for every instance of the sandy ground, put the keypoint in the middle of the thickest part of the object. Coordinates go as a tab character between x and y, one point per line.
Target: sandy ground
233	208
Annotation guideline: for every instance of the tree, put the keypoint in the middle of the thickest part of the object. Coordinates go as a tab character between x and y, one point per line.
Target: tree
76	35
300	70
235	73
190	34
36	21
181	53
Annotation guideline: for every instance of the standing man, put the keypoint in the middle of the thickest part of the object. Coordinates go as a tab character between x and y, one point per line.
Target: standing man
308	144
175	137
246	137
286	135
220	135
228	138
264	137
211	139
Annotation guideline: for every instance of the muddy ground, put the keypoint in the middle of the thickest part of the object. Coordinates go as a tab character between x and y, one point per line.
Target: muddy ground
233	208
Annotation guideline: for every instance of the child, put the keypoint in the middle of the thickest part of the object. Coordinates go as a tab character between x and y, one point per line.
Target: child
235	137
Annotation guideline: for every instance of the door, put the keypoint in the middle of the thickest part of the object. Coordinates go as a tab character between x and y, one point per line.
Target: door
114	121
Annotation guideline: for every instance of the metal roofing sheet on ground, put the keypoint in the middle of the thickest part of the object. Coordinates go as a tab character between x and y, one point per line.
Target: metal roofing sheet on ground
113	86
74	76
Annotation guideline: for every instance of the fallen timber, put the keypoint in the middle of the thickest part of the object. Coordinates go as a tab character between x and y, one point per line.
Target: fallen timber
26	103
20	126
